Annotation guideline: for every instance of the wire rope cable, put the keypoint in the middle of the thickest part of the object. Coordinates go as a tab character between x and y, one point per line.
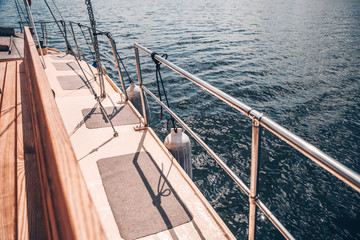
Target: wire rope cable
121	61
87	43
57	23
18	10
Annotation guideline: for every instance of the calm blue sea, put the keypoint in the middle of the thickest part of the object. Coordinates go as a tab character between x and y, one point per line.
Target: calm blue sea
298	62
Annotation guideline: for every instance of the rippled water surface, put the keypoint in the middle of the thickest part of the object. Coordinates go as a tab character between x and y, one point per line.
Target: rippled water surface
296	61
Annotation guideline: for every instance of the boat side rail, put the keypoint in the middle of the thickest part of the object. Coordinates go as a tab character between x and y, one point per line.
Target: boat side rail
337	169
68	207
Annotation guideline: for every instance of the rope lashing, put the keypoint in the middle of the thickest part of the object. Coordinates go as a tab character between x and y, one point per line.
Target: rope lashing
159	79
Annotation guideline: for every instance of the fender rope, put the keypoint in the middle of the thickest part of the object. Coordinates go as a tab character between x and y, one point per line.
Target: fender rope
159	79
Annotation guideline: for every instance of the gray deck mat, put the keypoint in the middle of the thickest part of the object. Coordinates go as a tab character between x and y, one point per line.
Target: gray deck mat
119	115
74	82
63	57
142	200
66	66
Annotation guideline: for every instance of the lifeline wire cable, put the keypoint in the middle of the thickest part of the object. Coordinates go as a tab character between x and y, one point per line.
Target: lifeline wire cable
57	23
18	10
119	58
96	47
87	43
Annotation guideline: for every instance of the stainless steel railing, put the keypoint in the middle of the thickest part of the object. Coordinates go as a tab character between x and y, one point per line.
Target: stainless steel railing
331	165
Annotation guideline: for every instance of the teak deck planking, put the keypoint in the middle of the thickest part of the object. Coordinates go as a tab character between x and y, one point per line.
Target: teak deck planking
21	212
8	154
38	169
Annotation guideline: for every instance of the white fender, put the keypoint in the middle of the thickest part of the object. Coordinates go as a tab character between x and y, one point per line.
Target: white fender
133	93
178	143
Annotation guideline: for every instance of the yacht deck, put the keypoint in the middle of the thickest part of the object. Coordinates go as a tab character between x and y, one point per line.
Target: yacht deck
126	186
139	208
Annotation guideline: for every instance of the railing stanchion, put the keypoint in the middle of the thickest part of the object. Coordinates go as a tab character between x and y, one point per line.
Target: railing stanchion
117	65
74	37
91	38
140	85
44	33
253	177
21	29
65	34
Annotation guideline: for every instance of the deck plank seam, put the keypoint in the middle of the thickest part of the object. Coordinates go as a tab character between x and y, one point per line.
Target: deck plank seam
3	85
8	146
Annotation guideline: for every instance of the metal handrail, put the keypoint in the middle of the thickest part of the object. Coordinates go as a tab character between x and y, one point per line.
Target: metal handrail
330	164
339	170
238	181
223	165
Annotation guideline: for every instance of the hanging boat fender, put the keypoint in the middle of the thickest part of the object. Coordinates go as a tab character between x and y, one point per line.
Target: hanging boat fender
133	93
178	143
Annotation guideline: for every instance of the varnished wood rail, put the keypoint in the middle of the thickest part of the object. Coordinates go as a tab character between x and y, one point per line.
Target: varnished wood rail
68	209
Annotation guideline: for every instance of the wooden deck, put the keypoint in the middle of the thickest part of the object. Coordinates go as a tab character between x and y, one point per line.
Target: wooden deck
42	192
20	199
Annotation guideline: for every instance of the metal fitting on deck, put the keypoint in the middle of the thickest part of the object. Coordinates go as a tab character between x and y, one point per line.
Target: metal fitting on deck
253	199
255	115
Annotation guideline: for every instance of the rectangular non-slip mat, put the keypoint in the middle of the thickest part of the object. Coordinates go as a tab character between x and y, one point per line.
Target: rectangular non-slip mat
73	82
63	57
66	66
142	200
119	115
